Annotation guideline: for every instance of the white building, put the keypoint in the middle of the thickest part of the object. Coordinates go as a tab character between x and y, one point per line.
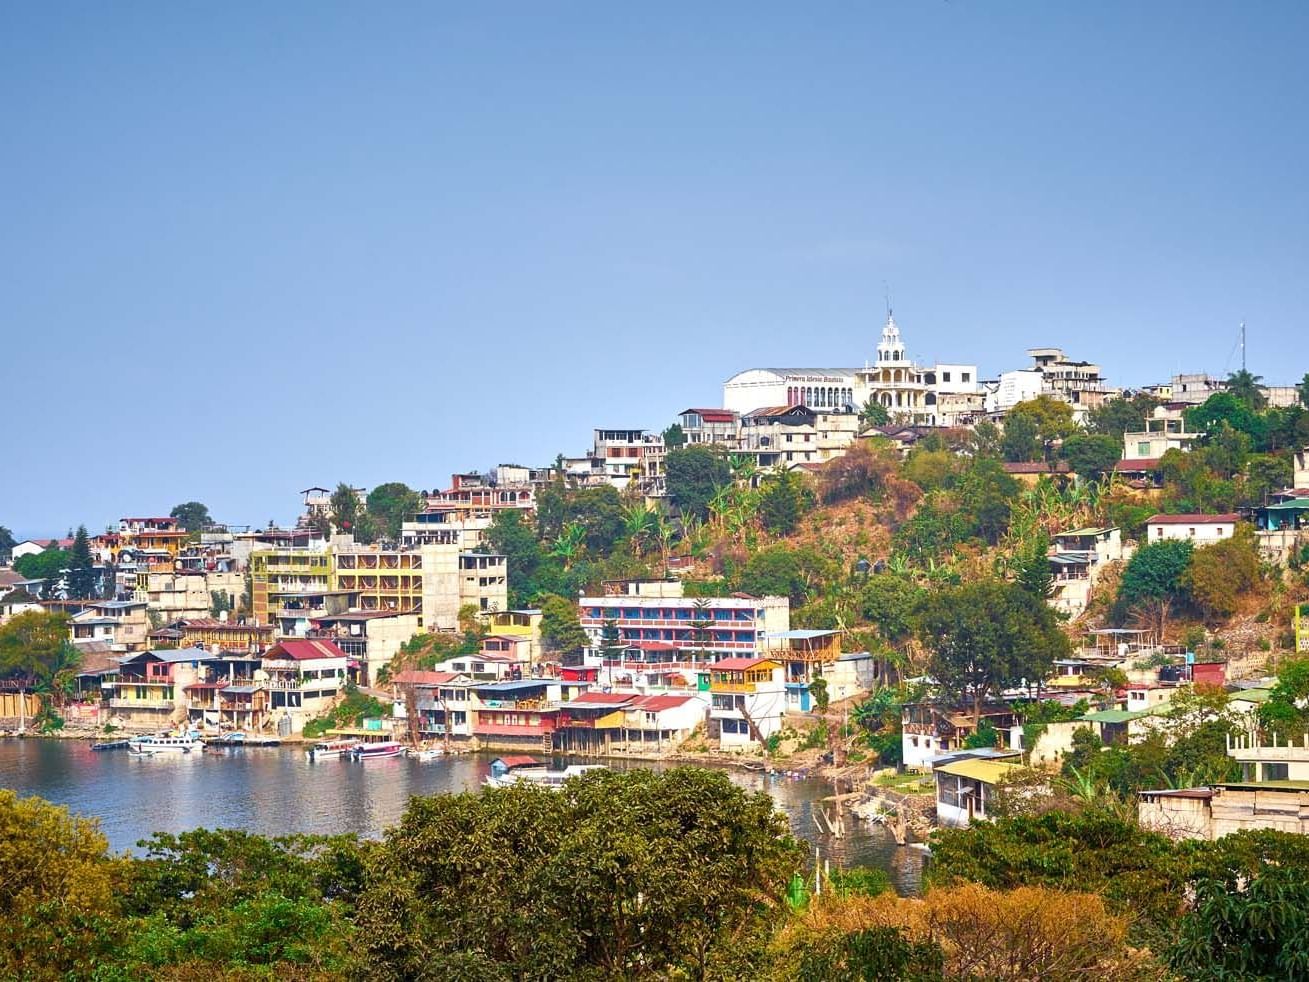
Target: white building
908	390
1165	429
1200	529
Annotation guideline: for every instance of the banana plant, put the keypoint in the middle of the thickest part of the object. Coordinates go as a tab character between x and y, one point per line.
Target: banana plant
568	545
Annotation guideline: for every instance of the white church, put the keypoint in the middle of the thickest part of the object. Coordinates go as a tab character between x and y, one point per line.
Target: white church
922	394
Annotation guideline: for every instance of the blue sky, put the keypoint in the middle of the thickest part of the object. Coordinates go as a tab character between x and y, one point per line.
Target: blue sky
250	248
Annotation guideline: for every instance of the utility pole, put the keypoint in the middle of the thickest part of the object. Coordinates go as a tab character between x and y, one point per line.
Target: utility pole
1242	346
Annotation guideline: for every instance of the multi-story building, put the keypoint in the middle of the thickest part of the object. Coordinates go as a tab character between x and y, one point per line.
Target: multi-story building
907	390
523	713
175	594
386	579
435	704
631	455
304	679
281	578
147	691
747	700
522	624
370	638
217	634
473	495
708	628
715	427
1165	429
810	655
783	437
1078	557
122	624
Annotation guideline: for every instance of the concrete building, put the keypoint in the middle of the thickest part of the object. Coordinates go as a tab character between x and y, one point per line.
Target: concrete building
715	427
908	390
1078	558
122	624
628	456
1200	529
710	627
304	679
1165	429
747	700
370	638
966	788
783	437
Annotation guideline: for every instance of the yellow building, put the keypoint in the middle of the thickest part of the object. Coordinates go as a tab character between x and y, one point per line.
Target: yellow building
385	579
1301	624
280	577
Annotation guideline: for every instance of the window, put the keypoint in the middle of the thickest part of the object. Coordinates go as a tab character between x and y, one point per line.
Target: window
1276	772
1143	448
1191	532
966	377
945	376
1220	531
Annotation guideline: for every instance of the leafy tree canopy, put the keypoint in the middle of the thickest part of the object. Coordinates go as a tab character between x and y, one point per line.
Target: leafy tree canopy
191	516
693	474
390	505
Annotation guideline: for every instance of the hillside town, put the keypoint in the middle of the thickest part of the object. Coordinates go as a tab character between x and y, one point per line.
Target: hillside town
699	592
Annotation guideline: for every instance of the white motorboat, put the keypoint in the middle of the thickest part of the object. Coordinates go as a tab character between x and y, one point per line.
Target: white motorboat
331	749
148	746
425	753
540	777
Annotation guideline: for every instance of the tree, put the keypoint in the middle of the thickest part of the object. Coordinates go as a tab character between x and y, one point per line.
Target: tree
1154	578
390	505
781	571
510	536
1219	575
81	567
1053	418
1121	415
48	564
1091	455
782	500
674	437
344	505
7	543
1020	442
818	689
638	524
677	874
1303	390
891	604
986	636
874	413
561	630
693	474
611	642
58	884
1226	407
192	516
1246	387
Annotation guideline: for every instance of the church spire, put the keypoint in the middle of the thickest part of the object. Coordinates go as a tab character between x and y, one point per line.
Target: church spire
890	350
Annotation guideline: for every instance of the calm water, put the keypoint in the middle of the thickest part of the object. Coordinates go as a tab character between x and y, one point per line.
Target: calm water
276	790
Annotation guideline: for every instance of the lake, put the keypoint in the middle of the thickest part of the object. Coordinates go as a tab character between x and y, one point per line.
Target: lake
276	791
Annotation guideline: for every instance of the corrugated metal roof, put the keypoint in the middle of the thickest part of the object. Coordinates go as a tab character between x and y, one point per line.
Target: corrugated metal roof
986	771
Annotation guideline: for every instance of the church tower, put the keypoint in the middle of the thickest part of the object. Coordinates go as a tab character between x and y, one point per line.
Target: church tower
890	350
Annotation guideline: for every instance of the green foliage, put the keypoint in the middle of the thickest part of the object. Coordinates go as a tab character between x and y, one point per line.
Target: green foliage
1218	575
818	689
874	413
7	543
561	631
81	571
192	516
867	955
1091	455
986	636
617	876
390	504
47	565
35	646
1121	415
1020	441
1155	574
693	474
783	500
786	571
345	509
891	603
354	707
510	536
674	437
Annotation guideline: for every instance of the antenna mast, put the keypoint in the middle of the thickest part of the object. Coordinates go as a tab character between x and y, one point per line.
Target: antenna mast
1242	346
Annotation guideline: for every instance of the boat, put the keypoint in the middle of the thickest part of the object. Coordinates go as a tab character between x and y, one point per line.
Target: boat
330	749
425	753
540	777
148	746
110	745
376	750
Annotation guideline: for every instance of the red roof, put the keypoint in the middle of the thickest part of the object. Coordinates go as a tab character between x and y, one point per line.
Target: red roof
413	677
712	415
657	704
653	646
737	664
604	698
304	650
214	624
1193	519
1140	464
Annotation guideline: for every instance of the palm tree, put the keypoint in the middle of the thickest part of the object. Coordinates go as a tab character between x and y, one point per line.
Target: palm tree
663	531
719	505
569	543
638	522
744	468
1246	387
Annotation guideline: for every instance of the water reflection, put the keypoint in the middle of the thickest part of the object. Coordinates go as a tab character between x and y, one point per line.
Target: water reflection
277	791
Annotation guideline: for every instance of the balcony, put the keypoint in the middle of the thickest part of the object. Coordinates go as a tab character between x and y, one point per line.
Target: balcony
723	712
160	704
538	728
717	686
